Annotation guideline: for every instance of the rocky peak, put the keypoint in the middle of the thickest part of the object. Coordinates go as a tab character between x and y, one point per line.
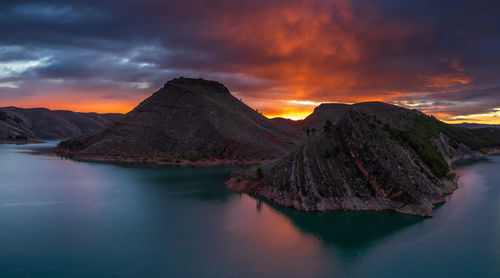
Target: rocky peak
198	85
329	108
187	121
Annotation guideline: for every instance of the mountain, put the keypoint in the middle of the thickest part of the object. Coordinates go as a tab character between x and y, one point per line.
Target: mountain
367	156
290	126
334	112
42	123
475	126
188	121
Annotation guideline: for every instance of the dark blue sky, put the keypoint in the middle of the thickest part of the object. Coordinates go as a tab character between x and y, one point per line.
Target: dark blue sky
282	57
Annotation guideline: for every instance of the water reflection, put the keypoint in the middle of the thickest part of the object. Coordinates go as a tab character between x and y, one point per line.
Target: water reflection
470	161
78	219
344	231
39	149
202	184
195	183
350	230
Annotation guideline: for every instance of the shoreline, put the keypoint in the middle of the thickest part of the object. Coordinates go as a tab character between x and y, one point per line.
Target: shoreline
22	142
260	188
161	161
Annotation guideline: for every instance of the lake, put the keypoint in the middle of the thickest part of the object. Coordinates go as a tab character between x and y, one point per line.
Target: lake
61	218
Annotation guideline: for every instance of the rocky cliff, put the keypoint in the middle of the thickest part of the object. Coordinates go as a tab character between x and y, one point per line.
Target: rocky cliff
370	156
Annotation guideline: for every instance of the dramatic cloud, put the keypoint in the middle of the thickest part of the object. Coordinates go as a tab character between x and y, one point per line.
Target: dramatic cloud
282	57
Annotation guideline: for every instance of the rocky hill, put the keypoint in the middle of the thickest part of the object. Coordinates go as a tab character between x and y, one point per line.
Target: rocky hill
20	124
334	112
188	121
367	156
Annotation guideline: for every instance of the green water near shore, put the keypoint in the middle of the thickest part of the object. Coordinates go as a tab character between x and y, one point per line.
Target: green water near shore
61	218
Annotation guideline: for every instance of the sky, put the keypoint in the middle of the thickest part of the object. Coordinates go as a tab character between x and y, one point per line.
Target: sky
282	57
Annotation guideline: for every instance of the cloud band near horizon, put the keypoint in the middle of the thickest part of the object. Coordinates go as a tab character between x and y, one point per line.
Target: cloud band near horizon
281	57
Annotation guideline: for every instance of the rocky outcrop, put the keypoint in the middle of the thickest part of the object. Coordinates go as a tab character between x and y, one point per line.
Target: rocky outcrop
188	121
375	157
453	153
333	112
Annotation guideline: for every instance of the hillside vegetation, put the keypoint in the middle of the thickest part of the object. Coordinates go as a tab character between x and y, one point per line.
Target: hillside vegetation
367	156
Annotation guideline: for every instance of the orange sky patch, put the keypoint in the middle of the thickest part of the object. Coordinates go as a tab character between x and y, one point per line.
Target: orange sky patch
78	101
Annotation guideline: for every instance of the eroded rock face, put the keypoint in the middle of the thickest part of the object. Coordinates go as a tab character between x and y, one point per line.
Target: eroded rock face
187	120
370	156
354	165
452	153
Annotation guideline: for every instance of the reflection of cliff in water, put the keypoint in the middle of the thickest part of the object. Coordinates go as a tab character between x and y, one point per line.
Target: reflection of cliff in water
195	183
39	149
348	230
470	161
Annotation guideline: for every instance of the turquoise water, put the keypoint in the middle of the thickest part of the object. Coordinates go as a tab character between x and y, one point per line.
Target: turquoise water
61	218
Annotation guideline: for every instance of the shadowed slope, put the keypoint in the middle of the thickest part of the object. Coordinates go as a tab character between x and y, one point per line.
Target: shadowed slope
367	156
188	119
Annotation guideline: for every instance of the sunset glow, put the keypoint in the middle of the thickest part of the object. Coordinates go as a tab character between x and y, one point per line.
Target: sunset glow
280	57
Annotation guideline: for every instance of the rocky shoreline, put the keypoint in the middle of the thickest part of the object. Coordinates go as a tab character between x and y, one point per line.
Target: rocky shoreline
260	188
360	164
257	188
22	142
163	161
492	151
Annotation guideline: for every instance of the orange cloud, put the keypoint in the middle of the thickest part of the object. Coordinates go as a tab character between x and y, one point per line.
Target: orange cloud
308	51
446	80
324	52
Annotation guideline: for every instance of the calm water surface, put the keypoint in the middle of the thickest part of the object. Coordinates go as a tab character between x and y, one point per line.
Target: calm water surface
75	219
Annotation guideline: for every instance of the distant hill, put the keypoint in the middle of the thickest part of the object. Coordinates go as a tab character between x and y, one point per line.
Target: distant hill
42	123
475	126
368	156
335	112
187	121
291	126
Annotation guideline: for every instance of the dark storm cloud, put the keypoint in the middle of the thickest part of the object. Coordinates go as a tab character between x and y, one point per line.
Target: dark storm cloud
439	52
